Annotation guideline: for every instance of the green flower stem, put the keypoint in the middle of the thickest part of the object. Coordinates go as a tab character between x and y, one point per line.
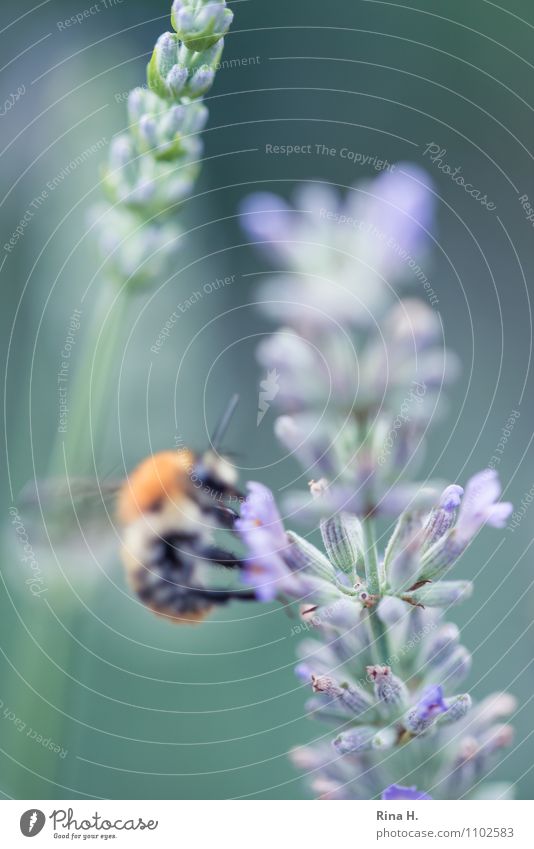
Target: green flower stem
49	682
108	355
372	575
379	638
91	388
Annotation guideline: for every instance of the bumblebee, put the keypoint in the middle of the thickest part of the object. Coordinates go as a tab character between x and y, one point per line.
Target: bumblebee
168	509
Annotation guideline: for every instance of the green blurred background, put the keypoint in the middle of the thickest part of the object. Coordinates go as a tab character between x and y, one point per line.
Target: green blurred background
145	710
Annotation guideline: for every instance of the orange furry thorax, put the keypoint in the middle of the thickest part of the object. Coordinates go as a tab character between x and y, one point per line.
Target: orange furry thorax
160	477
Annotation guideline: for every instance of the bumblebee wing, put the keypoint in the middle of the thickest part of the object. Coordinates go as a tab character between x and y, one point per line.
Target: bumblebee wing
47	491
61	506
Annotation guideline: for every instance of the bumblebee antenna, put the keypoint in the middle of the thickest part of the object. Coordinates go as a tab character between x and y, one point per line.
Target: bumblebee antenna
224	421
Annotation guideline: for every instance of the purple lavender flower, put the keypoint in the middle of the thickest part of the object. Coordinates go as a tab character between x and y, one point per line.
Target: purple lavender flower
480	506
431	703
397	792
428	708
259	511
280	563
261	529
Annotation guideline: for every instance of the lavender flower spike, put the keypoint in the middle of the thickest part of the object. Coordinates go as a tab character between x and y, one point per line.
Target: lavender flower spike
360	374
396	792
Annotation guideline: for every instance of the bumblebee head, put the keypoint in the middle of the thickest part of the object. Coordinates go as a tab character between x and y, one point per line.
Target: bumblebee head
215	477
180	481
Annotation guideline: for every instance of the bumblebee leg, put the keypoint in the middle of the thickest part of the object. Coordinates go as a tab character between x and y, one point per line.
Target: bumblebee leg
224	515
220	556
223	596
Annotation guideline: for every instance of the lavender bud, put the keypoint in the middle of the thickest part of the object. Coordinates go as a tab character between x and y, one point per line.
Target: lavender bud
441	555
407	526
305	556
140	102
441	594
439	646
136	103
297	440
165	51
317	708
327	788
356	740
390	691
148	131
174	118
195	118
460	770
285	350
176	79
164	58
391	611
405	566
121	152
441	519
343	543
457	708
385	739
200	26
453	670
182	13
494	707
210	56
496	738
307	758
201	81
303	672
419	623
412	324
351	696
316	662
288	432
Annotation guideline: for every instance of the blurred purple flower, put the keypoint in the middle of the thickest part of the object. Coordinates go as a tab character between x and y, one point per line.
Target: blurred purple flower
260	528
343	255
397	792
266	217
